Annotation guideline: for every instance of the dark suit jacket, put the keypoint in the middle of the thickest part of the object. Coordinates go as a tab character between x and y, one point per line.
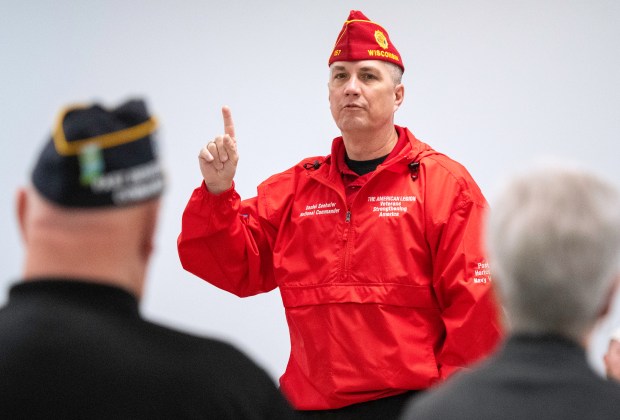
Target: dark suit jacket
81	350
531	377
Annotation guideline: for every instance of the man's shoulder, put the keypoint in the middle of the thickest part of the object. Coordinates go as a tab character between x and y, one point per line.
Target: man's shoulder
192	344
495	387
438	162
215	364
442	174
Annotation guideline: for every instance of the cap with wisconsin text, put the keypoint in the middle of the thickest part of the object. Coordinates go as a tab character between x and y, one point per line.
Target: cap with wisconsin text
100	157
362	39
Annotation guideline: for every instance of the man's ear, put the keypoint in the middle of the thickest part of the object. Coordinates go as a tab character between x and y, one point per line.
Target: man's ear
21	208
399	95
150	220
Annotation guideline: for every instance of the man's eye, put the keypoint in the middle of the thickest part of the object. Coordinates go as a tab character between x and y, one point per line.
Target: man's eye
368	76
340	76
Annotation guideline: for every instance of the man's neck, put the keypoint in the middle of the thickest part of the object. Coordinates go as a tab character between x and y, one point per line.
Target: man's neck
364	145
88	260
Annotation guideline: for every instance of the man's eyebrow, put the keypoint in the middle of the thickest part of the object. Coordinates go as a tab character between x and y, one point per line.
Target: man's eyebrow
338	68
369	68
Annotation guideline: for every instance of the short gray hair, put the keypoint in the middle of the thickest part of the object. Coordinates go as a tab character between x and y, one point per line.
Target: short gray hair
396	72
553	238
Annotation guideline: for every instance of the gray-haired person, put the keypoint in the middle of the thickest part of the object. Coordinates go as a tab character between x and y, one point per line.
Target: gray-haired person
554	246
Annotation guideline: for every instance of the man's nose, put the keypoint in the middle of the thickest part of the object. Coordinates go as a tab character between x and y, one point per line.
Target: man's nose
352	86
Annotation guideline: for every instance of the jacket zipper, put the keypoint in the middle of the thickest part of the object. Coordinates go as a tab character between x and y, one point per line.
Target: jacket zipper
344	272
347	219
347	249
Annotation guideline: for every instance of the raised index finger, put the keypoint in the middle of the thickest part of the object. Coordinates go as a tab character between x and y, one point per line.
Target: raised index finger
229	126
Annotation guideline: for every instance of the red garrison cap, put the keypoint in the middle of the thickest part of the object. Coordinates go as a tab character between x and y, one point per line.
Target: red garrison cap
362	39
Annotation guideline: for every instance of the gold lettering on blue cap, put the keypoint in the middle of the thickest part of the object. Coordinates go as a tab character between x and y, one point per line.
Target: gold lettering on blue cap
91	162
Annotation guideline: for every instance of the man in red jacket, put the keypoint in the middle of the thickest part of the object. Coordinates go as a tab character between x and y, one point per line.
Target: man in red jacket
376	248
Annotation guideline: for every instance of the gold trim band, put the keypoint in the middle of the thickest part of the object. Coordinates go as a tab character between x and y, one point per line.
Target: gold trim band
104	141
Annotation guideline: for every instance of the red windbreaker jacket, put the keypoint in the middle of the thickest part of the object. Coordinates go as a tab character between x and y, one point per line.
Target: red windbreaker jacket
389	294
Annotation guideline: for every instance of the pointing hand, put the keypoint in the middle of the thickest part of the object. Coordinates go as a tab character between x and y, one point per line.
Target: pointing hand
218	159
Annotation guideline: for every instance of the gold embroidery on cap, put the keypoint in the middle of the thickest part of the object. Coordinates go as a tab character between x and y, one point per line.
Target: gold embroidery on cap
381	39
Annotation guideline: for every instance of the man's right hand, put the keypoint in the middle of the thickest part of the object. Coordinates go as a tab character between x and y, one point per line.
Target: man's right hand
218	159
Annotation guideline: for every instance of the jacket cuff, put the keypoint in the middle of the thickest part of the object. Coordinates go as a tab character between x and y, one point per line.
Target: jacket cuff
224	194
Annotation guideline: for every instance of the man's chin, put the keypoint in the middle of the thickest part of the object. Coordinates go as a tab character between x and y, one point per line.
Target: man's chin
352	124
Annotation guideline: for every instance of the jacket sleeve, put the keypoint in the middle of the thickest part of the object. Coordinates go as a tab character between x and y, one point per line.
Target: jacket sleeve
461	277
223	242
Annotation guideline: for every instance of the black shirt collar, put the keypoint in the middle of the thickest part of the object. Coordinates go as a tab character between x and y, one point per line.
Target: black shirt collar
74	291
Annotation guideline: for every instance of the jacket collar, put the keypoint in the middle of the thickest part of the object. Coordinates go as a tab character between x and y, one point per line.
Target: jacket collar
409	152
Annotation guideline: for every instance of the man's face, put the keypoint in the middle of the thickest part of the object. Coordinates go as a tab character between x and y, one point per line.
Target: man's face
612	360
362	95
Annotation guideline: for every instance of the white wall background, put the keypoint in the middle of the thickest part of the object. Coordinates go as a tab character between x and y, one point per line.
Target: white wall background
492	83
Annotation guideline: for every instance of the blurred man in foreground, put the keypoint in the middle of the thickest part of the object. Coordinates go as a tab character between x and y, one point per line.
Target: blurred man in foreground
554	247
72	342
